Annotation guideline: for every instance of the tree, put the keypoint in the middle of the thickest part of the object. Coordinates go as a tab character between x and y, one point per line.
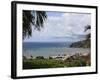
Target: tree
32	19
88	36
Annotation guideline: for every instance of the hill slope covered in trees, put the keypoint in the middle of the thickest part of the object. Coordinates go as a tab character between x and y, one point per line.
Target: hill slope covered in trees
81	44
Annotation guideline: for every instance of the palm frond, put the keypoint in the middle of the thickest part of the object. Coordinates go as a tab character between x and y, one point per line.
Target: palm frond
87	27
30	20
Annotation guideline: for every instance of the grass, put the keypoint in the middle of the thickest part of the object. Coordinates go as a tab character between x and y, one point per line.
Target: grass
51	63
42	63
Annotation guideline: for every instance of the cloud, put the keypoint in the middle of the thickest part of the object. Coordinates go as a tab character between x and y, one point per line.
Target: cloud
68	26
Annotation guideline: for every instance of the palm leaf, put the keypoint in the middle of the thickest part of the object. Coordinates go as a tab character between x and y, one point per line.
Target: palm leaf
87	27
29	20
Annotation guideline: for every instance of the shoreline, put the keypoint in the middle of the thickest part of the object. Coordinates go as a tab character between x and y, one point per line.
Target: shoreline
58	56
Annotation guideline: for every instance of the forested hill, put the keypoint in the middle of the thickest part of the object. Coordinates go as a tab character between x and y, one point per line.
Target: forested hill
81	44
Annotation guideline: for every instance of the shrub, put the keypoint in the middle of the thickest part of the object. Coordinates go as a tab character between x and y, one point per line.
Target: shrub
50	57
76	63
39	57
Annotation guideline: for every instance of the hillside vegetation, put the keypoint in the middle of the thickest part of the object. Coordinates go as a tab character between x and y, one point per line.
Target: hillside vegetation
81	44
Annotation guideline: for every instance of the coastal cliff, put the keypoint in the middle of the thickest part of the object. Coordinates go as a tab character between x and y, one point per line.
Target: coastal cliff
81	44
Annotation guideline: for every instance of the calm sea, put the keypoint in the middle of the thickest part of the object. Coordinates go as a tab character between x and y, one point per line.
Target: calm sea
50	49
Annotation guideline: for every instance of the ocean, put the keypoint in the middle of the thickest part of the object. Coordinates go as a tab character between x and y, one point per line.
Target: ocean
47	49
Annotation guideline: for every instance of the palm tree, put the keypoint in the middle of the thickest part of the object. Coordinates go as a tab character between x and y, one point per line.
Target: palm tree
32	19
88	36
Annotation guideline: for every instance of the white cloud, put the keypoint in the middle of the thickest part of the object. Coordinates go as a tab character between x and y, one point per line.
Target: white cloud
67	25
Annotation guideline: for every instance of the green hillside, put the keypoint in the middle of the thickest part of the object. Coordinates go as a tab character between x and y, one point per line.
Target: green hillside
81	44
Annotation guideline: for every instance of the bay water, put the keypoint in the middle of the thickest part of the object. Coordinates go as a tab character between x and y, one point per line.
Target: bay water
47	49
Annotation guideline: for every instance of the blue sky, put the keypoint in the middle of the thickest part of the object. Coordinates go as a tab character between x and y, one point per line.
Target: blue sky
61	27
